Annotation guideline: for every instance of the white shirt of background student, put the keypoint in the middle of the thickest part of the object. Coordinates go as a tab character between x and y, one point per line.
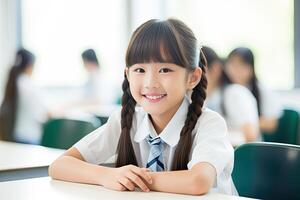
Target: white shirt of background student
240	69
98	89
240	109
236	101
31	112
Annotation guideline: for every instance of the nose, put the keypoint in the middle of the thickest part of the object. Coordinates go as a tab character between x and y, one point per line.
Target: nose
151	80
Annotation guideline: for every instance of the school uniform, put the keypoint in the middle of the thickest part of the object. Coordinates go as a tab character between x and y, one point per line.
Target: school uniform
210	143
270	107
99	88
31	112
240	108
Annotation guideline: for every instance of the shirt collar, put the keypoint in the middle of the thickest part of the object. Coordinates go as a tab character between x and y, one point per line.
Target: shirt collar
171	133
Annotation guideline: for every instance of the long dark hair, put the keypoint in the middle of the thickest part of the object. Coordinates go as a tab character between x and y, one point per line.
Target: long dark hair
162	41
8	109
212	57
247	57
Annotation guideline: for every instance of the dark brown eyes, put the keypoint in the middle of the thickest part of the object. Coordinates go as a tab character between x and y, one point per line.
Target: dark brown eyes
165	70
162	70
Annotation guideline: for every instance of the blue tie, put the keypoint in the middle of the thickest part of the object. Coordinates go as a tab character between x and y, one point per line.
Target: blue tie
155	159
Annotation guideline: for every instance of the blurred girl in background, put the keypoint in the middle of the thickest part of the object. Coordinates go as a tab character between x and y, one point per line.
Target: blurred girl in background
22	111
240	69
234	102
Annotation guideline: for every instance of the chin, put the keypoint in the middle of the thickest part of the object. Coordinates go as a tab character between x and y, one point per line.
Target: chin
153	111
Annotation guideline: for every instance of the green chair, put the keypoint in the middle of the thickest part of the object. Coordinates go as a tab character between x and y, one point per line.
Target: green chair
63	133
287	130
266	170
103	119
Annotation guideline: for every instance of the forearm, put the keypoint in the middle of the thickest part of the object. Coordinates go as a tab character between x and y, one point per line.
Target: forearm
267	124
72	169
250	132
184	182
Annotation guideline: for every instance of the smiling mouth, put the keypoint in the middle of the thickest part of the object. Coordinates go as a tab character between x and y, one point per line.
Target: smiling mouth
154	98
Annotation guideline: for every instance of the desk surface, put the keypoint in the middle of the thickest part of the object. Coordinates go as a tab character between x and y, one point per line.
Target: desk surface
20	156
48	189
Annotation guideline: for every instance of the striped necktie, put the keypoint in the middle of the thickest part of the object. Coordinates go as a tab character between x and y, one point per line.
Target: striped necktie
155	159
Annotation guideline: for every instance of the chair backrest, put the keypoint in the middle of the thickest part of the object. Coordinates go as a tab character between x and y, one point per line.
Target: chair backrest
287	130
103	119
63	133
267	170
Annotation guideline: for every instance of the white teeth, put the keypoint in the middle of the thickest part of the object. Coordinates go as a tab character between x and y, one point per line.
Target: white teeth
155	97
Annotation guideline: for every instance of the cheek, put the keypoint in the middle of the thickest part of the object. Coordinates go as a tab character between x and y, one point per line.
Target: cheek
247	75
234	73
176	85
134	86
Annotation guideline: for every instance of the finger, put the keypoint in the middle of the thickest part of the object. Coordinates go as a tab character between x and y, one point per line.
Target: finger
138	181
146	169
127	183
142	173
119	187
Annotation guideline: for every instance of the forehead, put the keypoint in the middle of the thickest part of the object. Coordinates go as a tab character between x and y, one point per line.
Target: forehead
156	64
154	43
235	59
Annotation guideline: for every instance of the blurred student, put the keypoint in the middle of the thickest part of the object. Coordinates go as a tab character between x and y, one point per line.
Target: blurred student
234	102
240	69
91	65
22	111
98	89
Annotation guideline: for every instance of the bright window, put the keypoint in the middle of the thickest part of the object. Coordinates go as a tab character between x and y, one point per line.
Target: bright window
264	26
58	31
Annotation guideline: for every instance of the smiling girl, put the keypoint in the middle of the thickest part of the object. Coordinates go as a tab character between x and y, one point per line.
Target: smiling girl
164	139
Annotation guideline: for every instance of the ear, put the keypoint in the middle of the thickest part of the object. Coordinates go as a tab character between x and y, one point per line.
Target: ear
194	78
126	71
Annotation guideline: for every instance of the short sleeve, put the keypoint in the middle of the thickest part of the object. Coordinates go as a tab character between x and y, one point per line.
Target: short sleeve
101	144
211	144
240	106
270	106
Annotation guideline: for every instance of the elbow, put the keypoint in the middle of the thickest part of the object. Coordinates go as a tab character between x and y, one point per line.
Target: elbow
51	170
201	184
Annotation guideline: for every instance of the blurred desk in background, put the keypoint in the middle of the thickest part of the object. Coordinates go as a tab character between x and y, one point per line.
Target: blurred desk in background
19	161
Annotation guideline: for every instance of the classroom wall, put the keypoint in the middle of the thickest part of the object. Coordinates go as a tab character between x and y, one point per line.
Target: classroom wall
9	40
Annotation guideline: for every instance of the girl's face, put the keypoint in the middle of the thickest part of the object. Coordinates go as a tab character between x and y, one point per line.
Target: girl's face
90	66
238	71
160	87
214	72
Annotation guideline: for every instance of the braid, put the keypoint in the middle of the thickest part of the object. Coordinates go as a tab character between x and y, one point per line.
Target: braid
181	156
125	150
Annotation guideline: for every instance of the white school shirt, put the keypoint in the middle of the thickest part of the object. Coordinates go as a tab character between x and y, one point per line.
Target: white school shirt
240	107
31	112
270	106
210	143
99	87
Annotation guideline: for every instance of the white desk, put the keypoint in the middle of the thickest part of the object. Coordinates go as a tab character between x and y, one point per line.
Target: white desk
19	156
47	189
20	161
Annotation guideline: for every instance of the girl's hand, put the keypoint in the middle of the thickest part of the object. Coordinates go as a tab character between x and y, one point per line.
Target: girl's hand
127	178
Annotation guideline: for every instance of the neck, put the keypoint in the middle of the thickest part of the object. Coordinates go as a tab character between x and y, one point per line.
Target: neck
28	71
212	86
161	121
